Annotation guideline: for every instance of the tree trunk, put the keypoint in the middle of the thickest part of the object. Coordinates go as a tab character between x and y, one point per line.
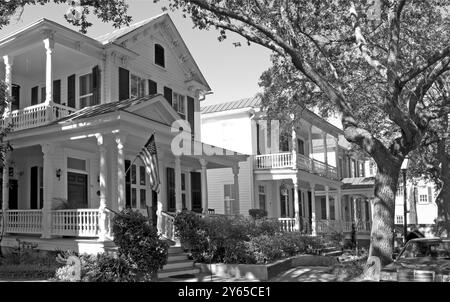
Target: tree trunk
381	237
443	199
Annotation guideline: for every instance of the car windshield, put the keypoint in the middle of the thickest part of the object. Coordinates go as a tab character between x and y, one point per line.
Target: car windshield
435	249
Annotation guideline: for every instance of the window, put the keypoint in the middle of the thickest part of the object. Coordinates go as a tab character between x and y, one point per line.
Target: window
137	86
372	168
76	164
178	103
183	191
423	198
136	189
34	95
284	142
398	219
323	207
262	197
86	91
159	55
400	190
43	94
229	198
301	146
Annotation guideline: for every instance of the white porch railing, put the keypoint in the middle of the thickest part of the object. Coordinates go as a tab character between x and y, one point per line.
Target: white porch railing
274	161
37	115
78	222
286	160
167	225
287	224
23	221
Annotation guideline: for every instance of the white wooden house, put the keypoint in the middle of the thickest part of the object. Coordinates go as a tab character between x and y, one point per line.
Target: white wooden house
296	176
82	109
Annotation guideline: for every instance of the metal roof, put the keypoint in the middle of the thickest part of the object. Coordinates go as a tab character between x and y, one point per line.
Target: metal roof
100	109
242	103
358	183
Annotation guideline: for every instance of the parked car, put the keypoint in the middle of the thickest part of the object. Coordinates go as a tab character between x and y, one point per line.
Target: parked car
421	260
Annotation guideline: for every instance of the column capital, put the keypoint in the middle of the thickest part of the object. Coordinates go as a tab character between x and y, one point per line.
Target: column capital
327	189
203	162
49	39
312	186
48	148
295	180
8	60
235	169
120	140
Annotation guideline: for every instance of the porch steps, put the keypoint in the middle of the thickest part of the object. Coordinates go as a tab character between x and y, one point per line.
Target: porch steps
177	264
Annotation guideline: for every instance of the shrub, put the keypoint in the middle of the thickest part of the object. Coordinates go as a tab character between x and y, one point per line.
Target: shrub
139	244
257	213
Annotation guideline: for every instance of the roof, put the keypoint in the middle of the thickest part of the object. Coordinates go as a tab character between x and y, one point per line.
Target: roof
100	109
358	183
118	33
242	103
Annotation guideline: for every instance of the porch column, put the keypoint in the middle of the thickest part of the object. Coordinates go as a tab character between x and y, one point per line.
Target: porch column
5	181
8	60
120	141
236	188
102	180
363	211
49	44
338	204
327	201
294	148
48	150
313	210
296	204
325	151
336	153
203	163
310	147
178	203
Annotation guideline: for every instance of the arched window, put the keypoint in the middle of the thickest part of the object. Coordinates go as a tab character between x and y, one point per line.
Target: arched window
159	55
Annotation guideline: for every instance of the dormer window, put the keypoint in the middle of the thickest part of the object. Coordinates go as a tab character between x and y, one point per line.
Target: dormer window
159	55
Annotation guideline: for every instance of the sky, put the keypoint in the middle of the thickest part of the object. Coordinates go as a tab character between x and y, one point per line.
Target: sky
232	72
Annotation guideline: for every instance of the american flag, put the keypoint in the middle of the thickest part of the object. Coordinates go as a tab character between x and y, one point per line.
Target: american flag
149	157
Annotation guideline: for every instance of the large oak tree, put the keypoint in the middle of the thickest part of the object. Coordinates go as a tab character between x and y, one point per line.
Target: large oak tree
400	46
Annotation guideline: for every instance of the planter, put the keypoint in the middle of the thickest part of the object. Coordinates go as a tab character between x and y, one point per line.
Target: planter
264	272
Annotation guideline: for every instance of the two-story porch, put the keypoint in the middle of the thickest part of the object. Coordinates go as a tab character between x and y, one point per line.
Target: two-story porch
63	178
302	185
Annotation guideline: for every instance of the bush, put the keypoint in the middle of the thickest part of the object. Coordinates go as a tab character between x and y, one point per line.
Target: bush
139	244
257	213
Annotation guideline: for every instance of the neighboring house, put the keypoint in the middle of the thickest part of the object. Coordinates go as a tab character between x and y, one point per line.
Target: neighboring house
420	202
295	174
82	110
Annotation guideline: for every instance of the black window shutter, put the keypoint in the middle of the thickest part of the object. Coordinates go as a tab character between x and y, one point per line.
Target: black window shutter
34	188
96	85
258	151
168	95
71	91
191	113
171	206
152	87
34	95
127	185
430	195
16	97
196	191
57	91
124	84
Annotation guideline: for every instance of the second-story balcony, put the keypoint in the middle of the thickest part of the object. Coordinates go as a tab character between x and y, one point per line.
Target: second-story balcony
287	160
36	115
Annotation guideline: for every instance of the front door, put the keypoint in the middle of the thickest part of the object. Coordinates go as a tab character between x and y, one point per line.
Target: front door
13	204
77	185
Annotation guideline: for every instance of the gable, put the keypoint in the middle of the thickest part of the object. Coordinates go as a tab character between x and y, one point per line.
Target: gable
140	38
156	109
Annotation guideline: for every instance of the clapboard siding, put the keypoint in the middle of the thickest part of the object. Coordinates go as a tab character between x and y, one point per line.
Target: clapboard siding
217	178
